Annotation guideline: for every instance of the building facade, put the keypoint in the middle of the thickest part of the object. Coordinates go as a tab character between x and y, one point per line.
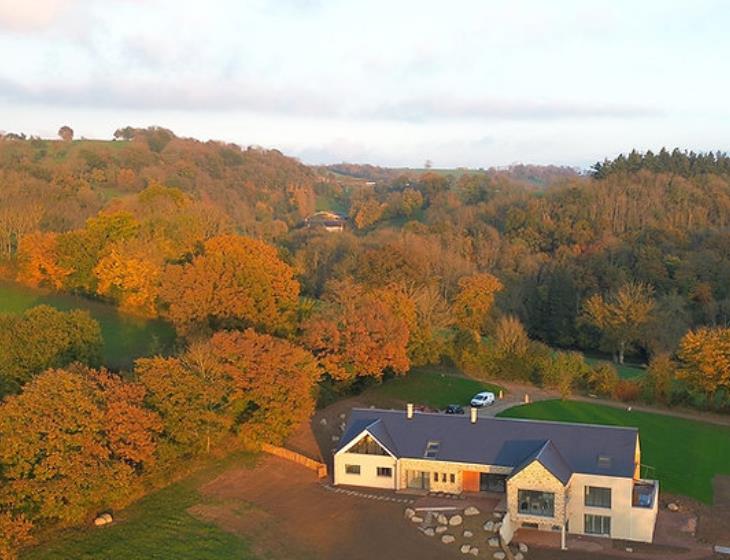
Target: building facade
570	478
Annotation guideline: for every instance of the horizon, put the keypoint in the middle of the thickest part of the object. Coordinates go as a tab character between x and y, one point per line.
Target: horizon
565	85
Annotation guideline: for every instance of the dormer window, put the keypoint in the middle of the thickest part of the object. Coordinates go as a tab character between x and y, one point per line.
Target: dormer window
604	462
432	450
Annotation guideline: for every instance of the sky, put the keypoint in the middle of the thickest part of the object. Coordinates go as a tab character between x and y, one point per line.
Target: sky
463	83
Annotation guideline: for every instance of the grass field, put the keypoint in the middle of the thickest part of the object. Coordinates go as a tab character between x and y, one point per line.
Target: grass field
685	454
625	371
155	527
431	387
125	337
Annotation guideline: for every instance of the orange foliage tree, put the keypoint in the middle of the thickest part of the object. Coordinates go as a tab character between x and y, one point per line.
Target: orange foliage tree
15	532
234	282
704	356
474	300
356	333
72	443
38	261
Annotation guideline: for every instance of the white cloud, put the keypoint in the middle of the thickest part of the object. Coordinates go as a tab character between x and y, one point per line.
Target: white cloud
30	15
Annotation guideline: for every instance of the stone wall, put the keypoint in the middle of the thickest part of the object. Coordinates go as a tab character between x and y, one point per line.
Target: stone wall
538	478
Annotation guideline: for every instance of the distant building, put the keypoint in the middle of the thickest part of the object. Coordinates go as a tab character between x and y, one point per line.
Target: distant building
330	221
553	476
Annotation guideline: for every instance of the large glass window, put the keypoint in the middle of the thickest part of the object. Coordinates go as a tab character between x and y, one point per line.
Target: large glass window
385	472
367	446
598	497
352	469
597	525
532	502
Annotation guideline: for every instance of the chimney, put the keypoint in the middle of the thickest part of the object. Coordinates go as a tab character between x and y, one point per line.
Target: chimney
473	414
409	410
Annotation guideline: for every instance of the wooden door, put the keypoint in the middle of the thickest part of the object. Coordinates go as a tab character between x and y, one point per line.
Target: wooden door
470	481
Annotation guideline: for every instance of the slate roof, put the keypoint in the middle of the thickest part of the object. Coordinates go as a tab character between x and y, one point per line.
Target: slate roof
561	447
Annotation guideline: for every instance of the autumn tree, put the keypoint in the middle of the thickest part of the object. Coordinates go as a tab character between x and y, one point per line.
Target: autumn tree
474	300
561	370
603	379
659	378
704	356
38	264
15	532
43	337
74	442
621	315
66	133
355	333
234	282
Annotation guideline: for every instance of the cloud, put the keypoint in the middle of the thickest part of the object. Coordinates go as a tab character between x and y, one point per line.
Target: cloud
421	109
30	15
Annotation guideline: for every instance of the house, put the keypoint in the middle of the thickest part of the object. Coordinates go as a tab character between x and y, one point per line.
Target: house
571	478
330	221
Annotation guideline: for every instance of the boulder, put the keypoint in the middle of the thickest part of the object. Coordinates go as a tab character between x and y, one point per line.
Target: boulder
471	510
465	548
107	517
497	525
671	506
519	556
410	512
442	519
429	532
497	515
455	520
99	522
342	427
522	548
474	551
343	416
493	542
499	555
468	534
416	519
441	529
323	421
447	539
489	526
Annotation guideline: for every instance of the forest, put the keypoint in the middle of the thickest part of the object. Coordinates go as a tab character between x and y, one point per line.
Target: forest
515	273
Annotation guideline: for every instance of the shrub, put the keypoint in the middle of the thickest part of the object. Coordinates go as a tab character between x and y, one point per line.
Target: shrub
627	390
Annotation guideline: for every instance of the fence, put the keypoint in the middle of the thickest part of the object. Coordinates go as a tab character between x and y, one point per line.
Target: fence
311	464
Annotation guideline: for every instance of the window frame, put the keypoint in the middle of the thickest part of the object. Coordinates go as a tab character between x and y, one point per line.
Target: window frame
596	503
524	494
350	469
594	517
379	470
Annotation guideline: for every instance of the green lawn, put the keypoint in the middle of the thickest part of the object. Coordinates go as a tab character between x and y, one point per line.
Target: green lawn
625	371
686	454
125	337
155	527
431	387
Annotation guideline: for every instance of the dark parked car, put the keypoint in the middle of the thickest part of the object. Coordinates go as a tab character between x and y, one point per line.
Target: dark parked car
454	409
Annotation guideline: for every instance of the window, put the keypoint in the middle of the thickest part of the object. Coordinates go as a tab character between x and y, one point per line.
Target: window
453	478
596	496
443	477
597	525
435	477
386	472
532	502
352	469
367	446
604	462
432	449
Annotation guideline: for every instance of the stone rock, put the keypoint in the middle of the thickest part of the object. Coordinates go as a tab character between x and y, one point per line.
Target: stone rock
489	526
107	517
442	519
323	421
672	506
493	542
497	515
523	548
342	427
497	525
441	529
410	512
335	438
519	556
99	522
474	551
499	555
471	510
465	548
468	534
447	539
343	415
416	519
429	532
455	520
